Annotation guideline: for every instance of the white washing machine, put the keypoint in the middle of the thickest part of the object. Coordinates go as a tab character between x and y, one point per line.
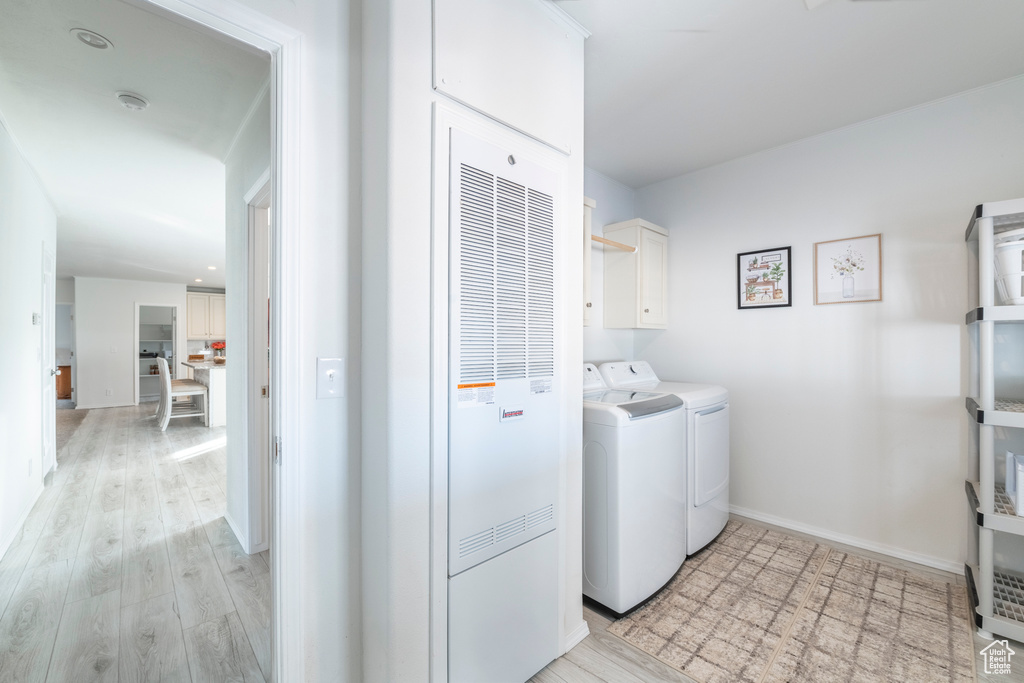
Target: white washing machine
634	483
707	445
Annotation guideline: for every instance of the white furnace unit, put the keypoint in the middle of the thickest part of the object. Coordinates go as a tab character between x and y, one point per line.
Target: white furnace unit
505	400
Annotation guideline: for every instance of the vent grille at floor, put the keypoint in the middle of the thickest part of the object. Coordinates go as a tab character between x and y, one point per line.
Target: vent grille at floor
506	530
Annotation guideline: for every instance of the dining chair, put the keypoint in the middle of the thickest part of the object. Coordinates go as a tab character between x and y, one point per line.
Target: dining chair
179	388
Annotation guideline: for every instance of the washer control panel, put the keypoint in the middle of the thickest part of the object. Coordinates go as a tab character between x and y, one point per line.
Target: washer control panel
628	373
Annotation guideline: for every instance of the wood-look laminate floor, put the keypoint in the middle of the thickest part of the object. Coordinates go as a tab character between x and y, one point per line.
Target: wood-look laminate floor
126	570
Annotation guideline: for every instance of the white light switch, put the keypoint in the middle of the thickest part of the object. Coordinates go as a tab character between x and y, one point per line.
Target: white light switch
330	377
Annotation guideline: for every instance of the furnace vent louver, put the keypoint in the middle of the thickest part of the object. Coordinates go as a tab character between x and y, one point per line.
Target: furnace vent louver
506	289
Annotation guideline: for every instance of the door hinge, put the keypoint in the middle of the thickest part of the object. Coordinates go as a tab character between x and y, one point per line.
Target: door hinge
277	450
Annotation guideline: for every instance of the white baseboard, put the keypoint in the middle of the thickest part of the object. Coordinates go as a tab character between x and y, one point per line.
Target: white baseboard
825	534
243	540
8	539
576	636
82	406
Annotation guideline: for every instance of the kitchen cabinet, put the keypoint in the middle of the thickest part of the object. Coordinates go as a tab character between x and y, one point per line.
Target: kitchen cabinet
995	403
207	317
636	284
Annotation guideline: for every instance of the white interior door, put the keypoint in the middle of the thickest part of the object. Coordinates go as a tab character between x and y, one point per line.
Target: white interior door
47	308
259	370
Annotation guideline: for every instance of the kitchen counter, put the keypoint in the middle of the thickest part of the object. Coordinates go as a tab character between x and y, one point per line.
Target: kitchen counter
213	376
203	365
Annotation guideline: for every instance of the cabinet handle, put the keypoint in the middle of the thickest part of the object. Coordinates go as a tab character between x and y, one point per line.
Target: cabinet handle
589	304
647	310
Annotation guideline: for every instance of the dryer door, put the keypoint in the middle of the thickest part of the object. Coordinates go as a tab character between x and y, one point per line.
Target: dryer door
711	453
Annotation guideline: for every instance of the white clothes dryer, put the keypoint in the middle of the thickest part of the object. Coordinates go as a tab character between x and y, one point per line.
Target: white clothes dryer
707	445
634	479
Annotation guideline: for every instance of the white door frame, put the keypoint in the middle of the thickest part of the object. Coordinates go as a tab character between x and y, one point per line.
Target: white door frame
283	44
179	350
257	199
48	381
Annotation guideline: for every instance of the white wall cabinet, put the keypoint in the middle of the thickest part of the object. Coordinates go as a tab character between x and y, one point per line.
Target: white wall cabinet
588	301
206	316
636	284
996	406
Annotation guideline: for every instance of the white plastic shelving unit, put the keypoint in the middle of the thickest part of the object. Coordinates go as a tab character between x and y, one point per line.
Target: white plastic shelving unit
998	594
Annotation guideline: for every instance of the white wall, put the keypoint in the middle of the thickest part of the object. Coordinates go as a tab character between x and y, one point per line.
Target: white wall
65	290
105	349
615	203
848	420
397	342
327	228
248	160
27	222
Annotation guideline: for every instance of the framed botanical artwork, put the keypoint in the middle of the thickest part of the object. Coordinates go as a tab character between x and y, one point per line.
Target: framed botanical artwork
764	278
848	270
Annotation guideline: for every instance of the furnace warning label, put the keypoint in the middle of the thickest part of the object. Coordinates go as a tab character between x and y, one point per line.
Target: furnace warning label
540	386
471	395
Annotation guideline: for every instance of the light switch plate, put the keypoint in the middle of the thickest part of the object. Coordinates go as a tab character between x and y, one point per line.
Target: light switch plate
330	377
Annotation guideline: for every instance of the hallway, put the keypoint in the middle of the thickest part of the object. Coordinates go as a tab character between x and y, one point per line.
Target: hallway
126	569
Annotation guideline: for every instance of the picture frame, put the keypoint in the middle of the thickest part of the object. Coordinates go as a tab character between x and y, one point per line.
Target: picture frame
764	278
848	270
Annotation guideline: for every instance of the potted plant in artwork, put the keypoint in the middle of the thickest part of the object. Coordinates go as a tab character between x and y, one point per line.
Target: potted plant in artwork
751	292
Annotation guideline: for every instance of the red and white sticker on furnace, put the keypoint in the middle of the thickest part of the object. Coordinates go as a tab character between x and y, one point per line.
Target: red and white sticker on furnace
509	414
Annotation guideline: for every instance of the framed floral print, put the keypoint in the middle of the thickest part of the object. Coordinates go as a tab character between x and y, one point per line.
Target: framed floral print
848	270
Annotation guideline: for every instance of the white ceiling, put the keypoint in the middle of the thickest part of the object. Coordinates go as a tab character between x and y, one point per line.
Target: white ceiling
673	86
139	195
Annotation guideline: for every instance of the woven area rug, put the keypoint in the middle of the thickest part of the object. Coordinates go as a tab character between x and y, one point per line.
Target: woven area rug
67	423
758	605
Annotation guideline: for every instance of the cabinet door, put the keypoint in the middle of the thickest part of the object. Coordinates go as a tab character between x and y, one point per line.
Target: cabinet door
588	304
653	279
198	316
218	317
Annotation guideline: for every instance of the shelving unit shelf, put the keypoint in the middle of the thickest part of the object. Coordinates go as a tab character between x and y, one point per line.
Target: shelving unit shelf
997	593
1007	617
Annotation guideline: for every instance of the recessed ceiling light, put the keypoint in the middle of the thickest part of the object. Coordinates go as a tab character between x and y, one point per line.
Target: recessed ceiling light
132	101
211	267
91	38
199	279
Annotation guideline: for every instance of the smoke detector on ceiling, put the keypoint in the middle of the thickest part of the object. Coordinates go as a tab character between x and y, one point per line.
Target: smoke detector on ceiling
91	38
132	101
